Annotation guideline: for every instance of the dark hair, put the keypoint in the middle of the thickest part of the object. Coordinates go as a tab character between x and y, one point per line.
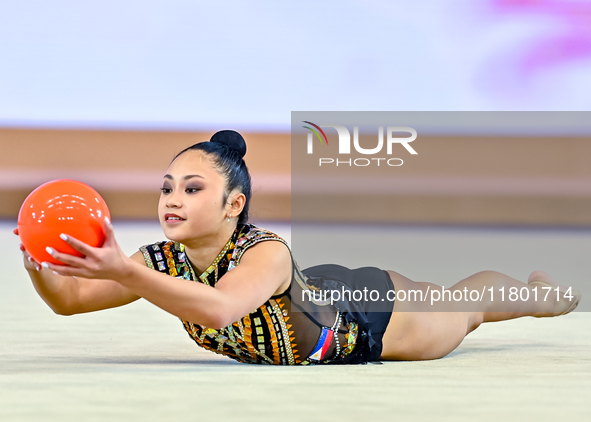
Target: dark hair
226	148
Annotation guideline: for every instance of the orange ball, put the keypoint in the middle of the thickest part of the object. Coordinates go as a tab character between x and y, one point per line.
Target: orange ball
61	206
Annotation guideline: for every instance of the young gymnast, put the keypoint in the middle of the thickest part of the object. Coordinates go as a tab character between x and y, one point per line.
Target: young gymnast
238	291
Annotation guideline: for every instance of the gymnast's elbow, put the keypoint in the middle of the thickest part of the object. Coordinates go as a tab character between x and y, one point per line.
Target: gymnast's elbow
62	310
216	318
219	323
223	318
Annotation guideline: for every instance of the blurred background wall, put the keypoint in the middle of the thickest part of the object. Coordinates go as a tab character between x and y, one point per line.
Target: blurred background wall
107	92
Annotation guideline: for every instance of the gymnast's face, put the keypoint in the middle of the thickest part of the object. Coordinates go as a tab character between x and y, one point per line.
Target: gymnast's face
192	203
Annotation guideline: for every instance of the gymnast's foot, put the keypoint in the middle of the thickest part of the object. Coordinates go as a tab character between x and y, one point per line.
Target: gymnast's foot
554	307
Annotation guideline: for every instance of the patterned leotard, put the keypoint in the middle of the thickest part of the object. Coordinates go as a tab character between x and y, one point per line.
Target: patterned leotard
274	333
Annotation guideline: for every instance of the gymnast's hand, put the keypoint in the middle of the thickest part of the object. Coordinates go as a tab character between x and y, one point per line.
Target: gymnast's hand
30	263
106	262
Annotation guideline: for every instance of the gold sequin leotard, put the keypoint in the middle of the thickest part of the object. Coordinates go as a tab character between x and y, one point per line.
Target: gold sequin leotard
278	332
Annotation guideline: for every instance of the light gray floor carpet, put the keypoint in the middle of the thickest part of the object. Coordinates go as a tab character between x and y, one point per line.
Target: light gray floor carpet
137	363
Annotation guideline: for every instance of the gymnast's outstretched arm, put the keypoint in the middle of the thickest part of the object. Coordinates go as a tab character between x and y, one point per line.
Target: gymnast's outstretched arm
263	269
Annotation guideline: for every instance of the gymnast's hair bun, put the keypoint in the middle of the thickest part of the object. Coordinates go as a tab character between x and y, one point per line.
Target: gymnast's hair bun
232	140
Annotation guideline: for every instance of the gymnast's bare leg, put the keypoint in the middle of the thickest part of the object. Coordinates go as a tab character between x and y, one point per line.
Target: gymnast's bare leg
418	331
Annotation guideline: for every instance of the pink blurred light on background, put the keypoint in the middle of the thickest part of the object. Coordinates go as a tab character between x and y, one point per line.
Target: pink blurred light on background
573	42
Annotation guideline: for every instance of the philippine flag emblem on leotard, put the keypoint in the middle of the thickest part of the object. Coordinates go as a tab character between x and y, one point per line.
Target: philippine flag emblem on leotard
323	344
